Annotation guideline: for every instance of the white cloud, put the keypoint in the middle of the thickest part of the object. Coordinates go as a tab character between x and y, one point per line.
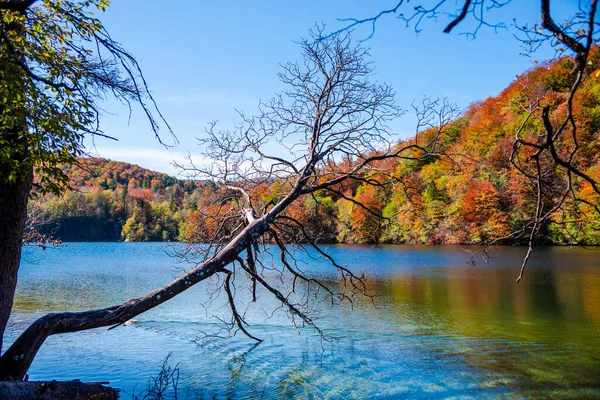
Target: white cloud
160	160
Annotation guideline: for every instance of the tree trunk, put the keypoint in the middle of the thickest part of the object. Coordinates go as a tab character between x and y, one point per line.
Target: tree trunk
13	213
16	171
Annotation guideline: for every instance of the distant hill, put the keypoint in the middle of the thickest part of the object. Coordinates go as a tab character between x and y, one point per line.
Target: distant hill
109	174
474	197
112	200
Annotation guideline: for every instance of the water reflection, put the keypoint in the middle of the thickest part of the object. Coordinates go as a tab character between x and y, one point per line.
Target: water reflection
440	328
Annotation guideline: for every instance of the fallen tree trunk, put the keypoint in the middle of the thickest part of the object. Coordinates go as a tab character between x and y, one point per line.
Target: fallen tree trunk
73	390
15	362
334	111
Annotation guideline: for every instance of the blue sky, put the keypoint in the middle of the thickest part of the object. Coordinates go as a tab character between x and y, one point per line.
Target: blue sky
205	59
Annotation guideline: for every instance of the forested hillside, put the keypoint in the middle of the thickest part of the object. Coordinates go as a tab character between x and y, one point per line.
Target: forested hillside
473	195
113	200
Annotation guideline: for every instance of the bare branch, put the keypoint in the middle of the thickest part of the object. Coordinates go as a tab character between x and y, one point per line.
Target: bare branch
237	317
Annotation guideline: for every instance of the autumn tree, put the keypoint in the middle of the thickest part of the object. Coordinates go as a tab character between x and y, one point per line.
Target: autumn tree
56	63
550	144
331	109
366	222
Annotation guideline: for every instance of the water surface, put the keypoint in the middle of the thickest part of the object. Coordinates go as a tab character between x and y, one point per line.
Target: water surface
438	327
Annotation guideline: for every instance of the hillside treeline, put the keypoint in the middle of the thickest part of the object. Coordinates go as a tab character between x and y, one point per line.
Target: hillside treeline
112	201
472	195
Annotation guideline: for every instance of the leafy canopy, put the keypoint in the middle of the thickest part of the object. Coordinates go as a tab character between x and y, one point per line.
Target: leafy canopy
57	62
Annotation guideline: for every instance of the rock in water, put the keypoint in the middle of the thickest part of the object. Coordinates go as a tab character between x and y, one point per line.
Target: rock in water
73	390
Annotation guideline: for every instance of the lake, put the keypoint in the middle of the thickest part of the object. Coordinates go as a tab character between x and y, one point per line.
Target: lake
438	328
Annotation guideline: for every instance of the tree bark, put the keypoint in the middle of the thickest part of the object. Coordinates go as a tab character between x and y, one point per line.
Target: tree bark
16	174
13	213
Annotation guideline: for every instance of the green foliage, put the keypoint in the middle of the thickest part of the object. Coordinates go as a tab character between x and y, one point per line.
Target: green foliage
558	78
57	61
155	222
